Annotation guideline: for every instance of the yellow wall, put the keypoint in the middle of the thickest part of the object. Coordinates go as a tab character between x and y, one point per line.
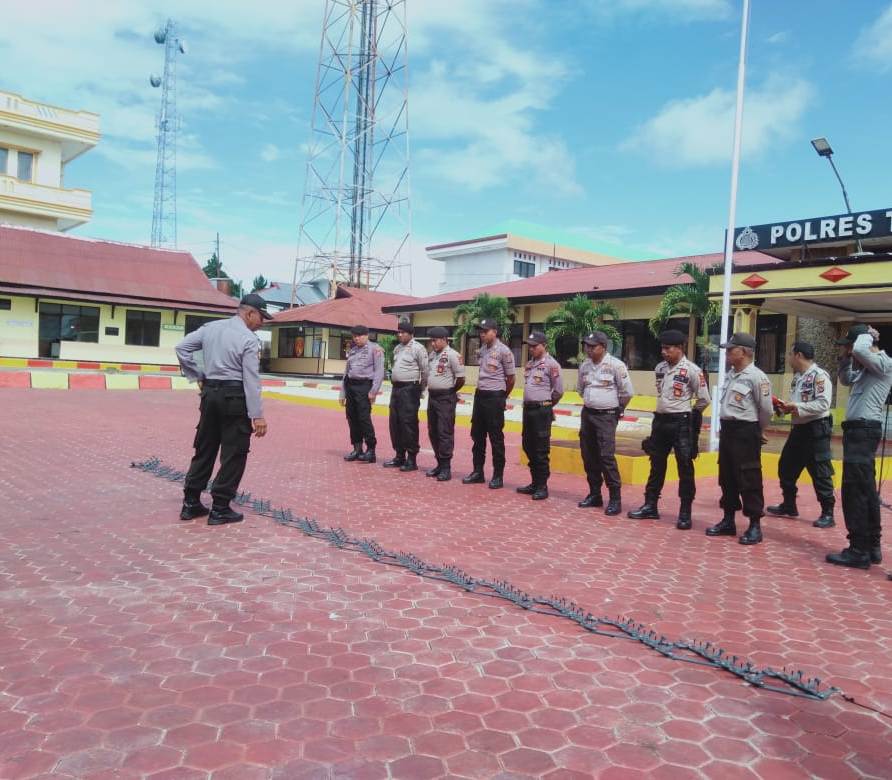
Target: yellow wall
19	334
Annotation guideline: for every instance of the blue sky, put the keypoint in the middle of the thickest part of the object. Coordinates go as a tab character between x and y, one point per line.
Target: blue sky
606	123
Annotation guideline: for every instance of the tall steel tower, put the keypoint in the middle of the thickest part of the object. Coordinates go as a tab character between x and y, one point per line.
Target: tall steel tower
164	212
356	219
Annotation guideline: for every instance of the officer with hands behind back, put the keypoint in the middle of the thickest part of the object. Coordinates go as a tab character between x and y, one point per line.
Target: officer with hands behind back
445	377
361	383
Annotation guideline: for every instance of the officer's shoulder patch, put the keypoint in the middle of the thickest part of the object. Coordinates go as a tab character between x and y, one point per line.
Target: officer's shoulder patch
379	350
819	385
702	379
555	370
765	386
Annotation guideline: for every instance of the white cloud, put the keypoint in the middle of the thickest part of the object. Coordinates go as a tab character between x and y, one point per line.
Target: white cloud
682	10
778	38
698	131
270	153
874	45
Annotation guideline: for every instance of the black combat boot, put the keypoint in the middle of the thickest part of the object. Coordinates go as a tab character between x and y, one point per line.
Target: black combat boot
221	515
876	554
614	503
496	482
725	527
445	473
367	457
826	519
786	508
396	462
540	493
684	516
434	471
192	508
474	478
527	490
851	557
592	499
753	534
355	454
410	464
647	511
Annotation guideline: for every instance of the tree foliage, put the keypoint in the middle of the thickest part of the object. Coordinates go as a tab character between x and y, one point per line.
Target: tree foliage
577	317
260	283
213	269
484	306
387	342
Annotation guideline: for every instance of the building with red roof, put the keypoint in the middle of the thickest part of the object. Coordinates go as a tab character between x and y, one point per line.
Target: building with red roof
314	339
82	299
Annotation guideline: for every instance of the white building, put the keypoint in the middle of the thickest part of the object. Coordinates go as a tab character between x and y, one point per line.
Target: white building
505	258
37	140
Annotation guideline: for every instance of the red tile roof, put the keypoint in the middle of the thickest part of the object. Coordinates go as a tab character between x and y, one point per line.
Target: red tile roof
352	306
56	265
645	277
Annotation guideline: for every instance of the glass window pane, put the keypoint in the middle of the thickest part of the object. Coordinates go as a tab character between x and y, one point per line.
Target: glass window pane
151	328
26	166
4	159
50	308
89	324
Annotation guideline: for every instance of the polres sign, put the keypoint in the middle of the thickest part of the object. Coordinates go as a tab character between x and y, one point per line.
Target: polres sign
860	225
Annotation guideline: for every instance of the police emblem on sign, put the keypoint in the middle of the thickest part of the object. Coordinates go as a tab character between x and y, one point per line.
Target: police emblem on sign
747	239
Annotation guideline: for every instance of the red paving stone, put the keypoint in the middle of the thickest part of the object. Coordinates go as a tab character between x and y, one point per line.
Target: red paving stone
133	645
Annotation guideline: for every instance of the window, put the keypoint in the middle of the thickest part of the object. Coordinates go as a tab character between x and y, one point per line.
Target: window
25	166
771	336
58	322
339	341
640	349
143	328
524	269
4	159
194	322
300	342
5	304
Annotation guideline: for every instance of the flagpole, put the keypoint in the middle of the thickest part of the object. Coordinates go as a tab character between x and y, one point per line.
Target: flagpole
729	233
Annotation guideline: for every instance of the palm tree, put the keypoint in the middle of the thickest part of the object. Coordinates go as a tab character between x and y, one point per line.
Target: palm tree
691	299
387	342
578	316
484	307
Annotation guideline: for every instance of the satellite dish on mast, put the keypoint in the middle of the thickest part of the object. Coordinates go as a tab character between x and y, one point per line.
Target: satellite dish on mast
154	80
182	46
160	35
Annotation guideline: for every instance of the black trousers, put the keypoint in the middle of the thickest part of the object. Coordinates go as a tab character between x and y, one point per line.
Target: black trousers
404	403
597	441
224	427
860	500
808	447
441	423
536	440
359	412
671	432
488	420
740	468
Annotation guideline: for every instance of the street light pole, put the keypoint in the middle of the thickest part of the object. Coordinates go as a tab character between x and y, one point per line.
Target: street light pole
822	147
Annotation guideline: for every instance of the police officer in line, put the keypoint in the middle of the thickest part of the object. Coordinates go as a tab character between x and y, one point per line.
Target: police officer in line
606	389
745	410
676	426
361	383
231	407
808	445
494	384
445	377
408	378
542	389
868	373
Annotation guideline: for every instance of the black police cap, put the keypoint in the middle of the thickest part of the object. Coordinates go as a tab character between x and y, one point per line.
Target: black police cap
672	338
438	333
405	326
359	330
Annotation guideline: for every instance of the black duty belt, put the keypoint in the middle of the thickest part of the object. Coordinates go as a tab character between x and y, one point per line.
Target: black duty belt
437	392
357	381
673	415
223	383
600	411
537	404
405	384
489	393
875	424
730	422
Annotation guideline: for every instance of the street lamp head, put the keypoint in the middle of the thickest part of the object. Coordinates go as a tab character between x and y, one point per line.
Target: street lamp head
822	147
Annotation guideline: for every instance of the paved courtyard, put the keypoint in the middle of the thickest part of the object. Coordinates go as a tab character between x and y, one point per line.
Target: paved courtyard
136	646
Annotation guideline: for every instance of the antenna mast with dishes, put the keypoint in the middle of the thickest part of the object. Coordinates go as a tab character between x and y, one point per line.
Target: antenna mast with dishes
356	219
164	212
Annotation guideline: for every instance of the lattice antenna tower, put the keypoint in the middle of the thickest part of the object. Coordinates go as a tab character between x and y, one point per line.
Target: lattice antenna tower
164	211
356	219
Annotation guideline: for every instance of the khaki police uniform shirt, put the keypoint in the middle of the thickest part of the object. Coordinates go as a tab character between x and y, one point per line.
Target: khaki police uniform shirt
444	368
746	396
365	362
542	380
680	384
605	385
870	381
409	363
496	364
231	351
812	392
